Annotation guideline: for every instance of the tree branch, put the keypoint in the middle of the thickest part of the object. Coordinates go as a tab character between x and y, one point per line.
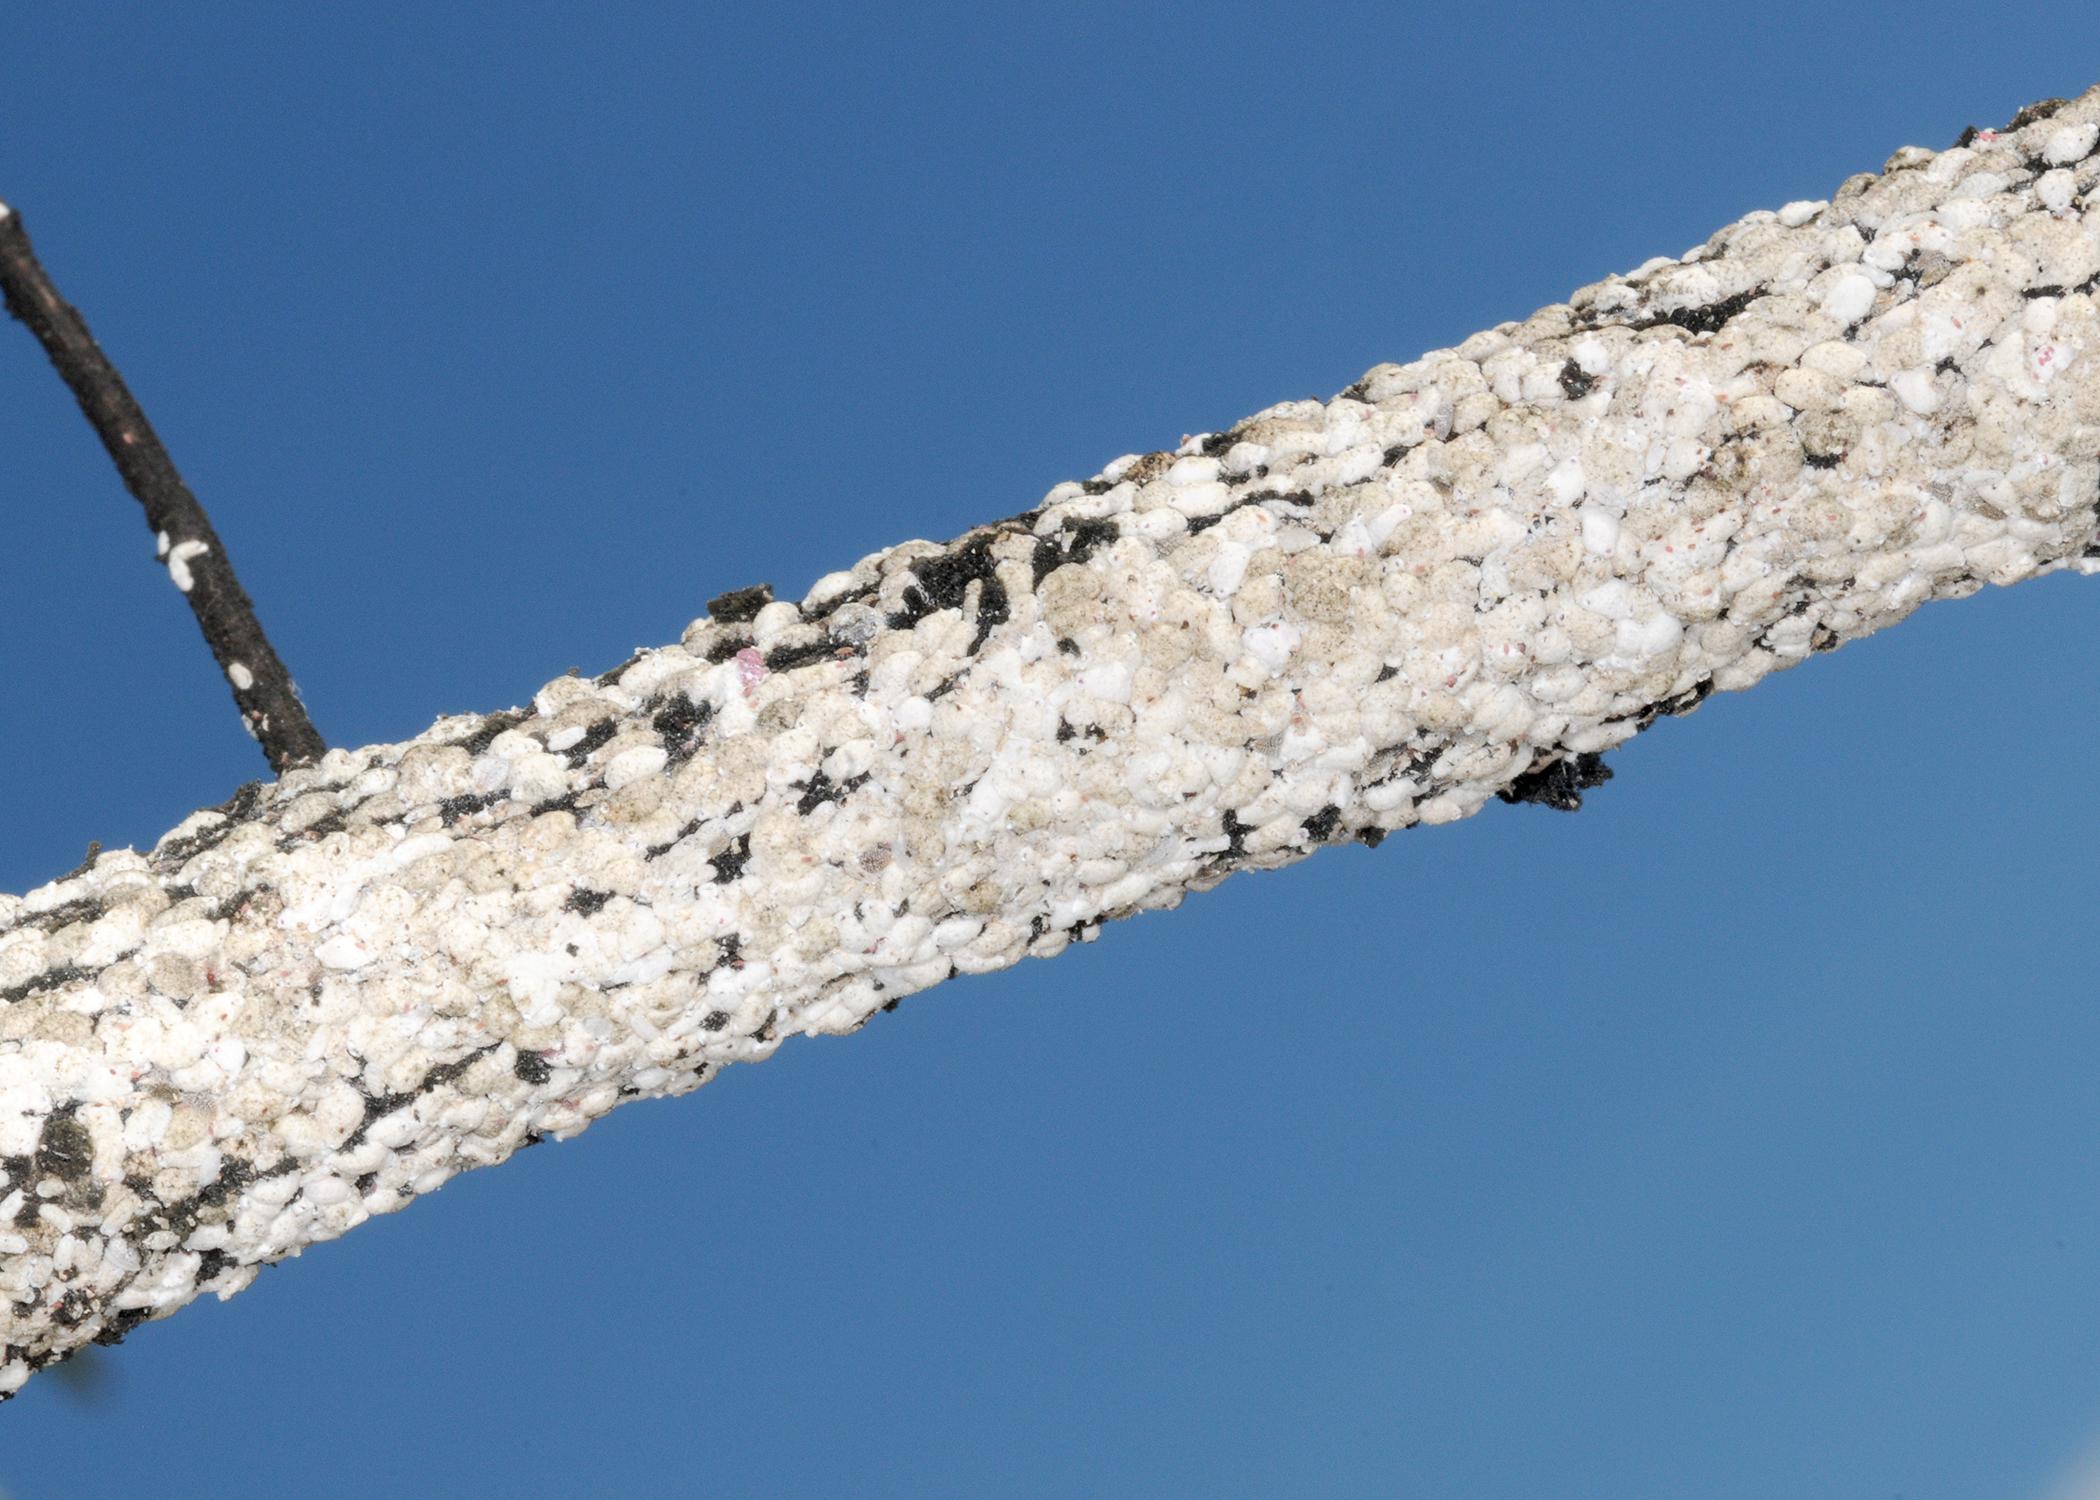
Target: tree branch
185	542
1464	577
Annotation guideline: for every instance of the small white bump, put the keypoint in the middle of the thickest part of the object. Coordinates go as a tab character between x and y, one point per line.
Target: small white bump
2070	143
179	562
1600	530
1849	297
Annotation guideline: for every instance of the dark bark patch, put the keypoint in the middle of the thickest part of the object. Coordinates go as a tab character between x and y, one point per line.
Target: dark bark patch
63	1147
729	864
233	812
379	1106
943	582
1074	545
115	1325
820	789
1321	825
50	979
613	674
740	606
1689	699
2041	109
787	658
466	804
1559	784
495	724
1708	318
66	913
681	722
593	737
318	829
657	851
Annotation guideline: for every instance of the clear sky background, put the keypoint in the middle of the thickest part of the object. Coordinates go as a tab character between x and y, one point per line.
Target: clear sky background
1733	1137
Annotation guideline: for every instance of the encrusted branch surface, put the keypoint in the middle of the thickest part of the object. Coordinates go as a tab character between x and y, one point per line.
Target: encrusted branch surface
1463	577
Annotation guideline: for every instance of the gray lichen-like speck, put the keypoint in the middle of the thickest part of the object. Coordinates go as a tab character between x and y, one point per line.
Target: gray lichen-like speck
1464	576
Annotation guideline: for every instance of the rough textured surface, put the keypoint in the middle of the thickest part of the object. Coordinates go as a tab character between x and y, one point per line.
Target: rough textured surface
1464	577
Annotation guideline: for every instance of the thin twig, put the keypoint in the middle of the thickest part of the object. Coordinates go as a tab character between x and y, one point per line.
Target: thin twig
185	543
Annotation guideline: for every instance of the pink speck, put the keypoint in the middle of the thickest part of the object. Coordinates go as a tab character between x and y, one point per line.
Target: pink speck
750	668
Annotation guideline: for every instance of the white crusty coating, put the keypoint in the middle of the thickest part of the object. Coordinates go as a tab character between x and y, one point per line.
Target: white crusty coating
1463	576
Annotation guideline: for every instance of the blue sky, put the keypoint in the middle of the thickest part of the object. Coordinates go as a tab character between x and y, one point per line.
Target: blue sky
1734	1137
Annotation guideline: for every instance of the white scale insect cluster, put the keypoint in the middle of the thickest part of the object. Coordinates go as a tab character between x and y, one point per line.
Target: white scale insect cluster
1463	577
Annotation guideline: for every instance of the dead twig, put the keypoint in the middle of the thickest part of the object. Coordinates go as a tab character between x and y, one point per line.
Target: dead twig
184	540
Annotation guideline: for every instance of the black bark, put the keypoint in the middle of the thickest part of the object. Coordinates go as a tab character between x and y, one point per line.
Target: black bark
195	557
